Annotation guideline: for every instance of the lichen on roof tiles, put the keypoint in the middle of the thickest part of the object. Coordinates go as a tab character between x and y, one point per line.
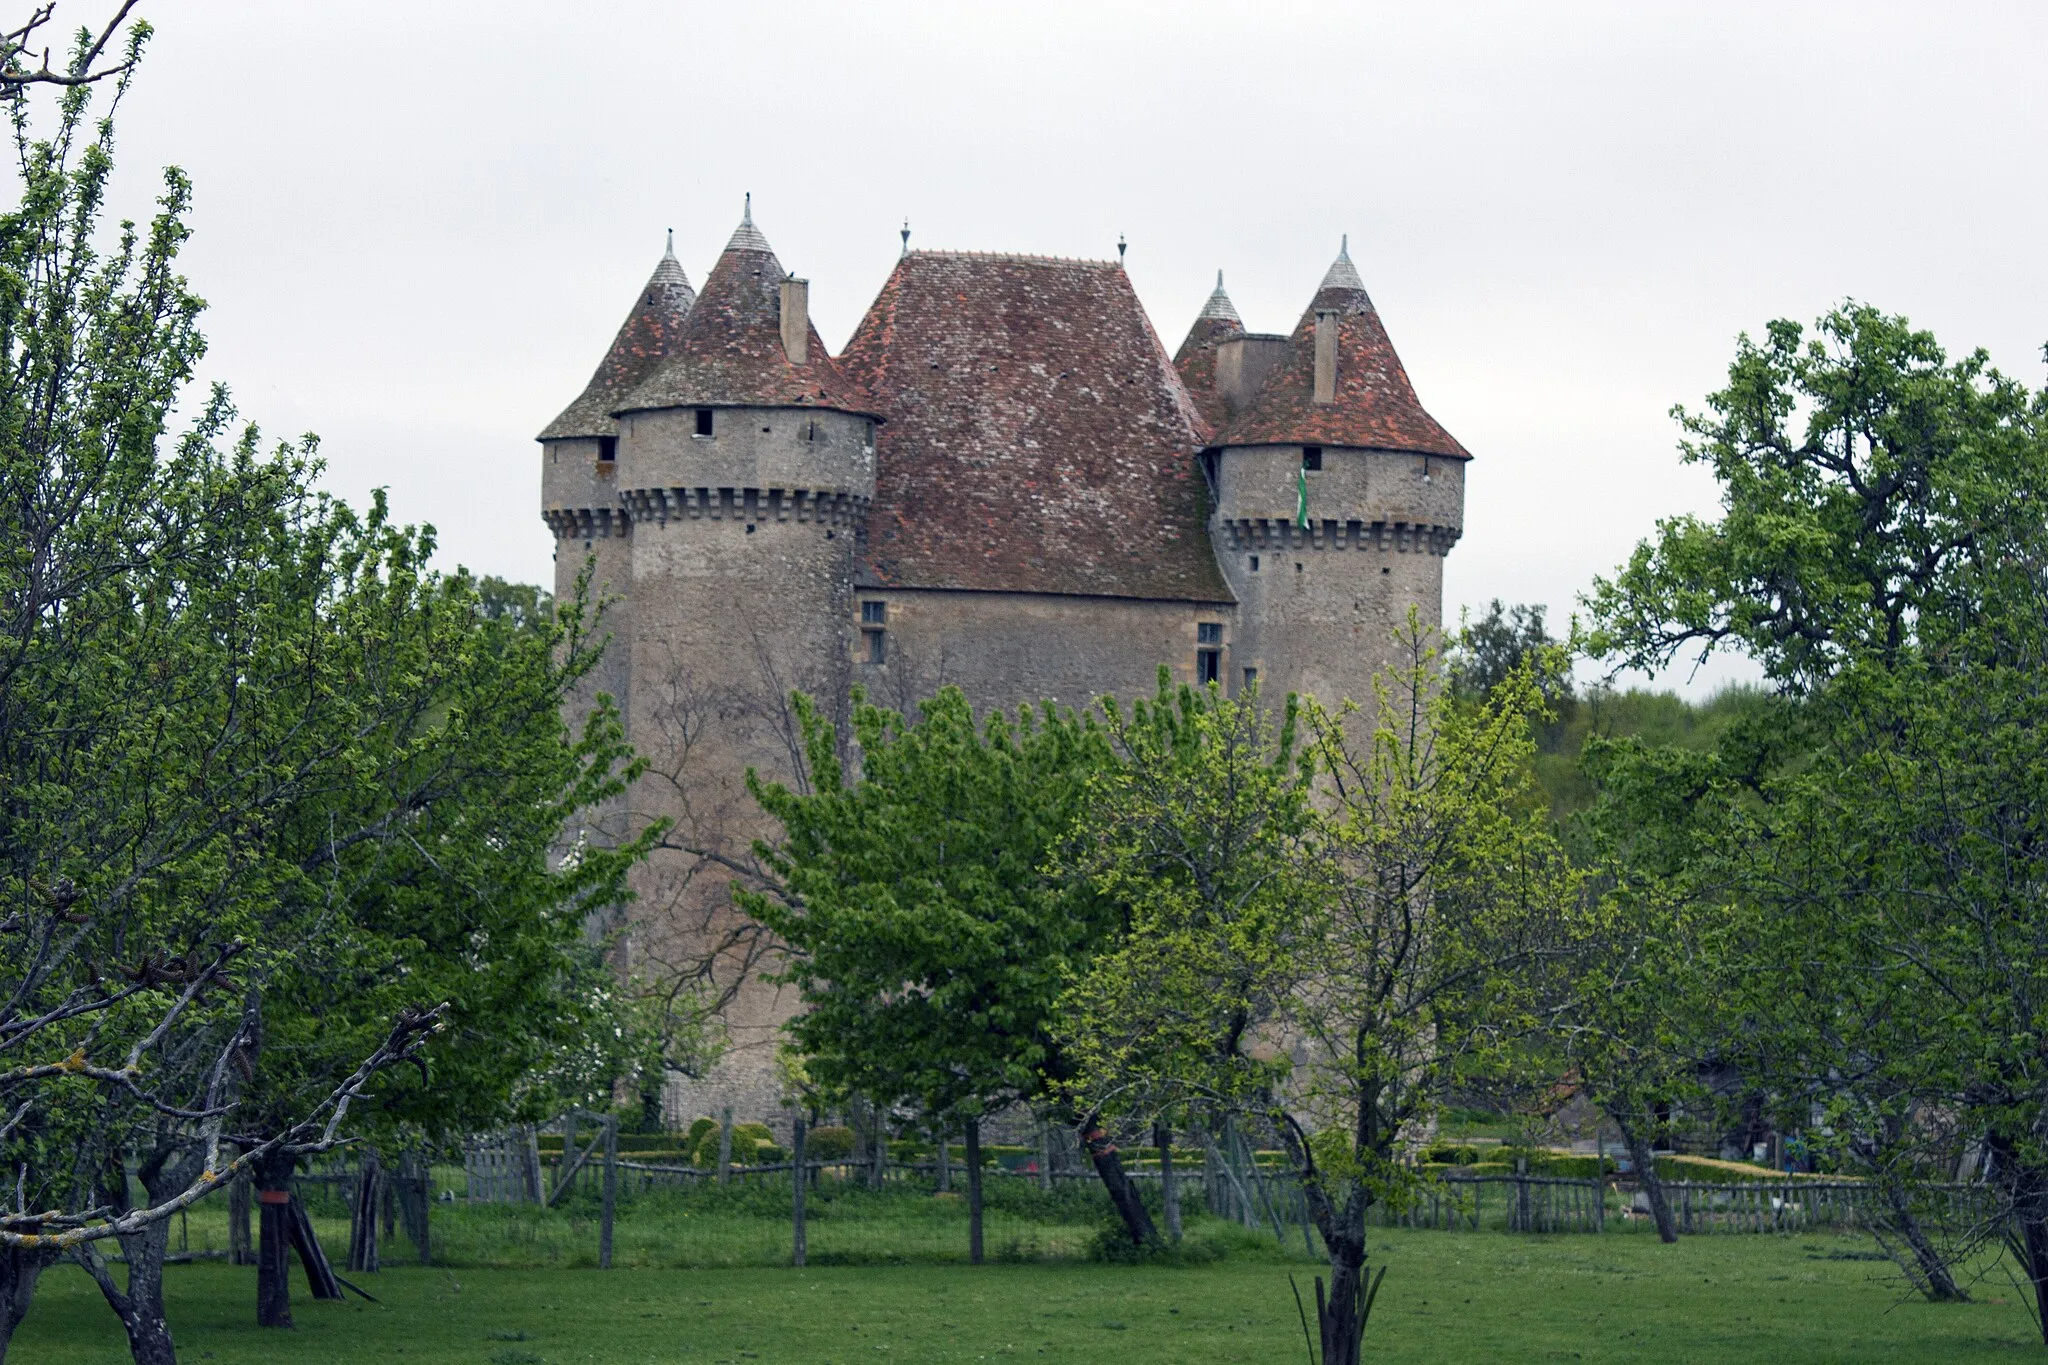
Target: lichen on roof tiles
1375	405
729	350
1038	439
649	332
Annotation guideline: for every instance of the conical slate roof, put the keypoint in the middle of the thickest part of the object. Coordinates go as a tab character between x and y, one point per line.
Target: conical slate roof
649	332
1375	405
1217	323
729	353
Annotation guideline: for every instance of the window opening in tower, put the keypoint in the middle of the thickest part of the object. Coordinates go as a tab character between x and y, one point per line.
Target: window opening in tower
1311	457
607	449
703	421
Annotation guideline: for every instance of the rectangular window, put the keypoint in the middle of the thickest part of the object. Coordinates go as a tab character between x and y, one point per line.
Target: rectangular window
1251	675
703	421
1208	665
1311	457
1209	633
877	645
1255	563
607	449
874	613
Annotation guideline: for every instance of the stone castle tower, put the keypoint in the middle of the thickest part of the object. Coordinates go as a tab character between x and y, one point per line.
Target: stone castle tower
1002	482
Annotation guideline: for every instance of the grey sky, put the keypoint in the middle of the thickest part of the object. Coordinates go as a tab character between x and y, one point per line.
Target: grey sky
419	224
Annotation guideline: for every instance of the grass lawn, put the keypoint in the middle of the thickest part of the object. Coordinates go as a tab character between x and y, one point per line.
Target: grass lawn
1448	1297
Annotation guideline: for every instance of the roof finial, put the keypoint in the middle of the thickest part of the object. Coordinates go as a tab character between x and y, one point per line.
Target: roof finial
1121	244
671	252
906	236
1342	274
1219	280
747	213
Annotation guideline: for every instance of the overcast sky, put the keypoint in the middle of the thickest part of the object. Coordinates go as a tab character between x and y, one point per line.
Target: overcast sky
419	224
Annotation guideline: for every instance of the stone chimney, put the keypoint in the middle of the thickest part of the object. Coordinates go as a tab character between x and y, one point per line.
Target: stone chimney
1326	355
796	320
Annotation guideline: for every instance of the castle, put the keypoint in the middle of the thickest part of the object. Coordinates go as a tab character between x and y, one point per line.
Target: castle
1003	482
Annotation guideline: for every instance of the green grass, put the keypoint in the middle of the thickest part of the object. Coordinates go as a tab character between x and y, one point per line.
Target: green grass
1448	1297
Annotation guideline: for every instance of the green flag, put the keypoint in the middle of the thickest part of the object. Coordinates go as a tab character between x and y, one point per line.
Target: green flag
1301	498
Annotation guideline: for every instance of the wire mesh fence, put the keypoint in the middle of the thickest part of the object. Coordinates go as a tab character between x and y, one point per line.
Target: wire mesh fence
515	1200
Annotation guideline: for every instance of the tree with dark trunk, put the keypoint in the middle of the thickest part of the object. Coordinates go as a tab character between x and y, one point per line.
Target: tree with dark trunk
924	933
1643	1159
1384	901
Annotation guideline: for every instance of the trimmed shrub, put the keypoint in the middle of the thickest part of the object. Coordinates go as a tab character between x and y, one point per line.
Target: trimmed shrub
833	1142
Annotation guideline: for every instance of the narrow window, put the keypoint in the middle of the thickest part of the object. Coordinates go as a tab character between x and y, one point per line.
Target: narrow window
703	421
1311	457
1251	675
1255	563
873	616
607	449
1208	665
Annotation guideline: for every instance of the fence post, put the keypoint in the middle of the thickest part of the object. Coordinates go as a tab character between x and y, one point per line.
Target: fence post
798	1247
725	1145
611	1191
945	1164
974	1191
1169	1191
1044	1155
240	1251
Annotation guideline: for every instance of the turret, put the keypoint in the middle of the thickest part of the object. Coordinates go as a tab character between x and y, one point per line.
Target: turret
746	463
579	470
1337	497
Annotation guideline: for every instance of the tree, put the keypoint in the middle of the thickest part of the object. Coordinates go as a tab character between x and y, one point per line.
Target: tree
926	936
1321	937
1881	554
274	798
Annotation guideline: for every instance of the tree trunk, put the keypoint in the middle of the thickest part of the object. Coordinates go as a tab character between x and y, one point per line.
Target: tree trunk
141	1305
2026	1191
320	1280
1340	1317
20	1268
1647	1179
974	1191
1928	1271
1169	1189
273	1180
1122	1193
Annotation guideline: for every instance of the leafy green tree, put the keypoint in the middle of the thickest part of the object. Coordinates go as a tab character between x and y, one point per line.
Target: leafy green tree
1881	554
1321	936
275	800
926	936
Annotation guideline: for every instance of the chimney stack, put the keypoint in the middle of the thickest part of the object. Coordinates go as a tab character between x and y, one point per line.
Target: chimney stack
1326	356
796	320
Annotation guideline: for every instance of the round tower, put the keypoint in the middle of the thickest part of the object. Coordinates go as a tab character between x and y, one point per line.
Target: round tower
579	475
745	465
1337	497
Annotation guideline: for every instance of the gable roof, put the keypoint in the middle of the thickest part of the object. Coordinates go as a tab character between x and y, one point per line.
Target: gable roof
729	350
1038	439
1375	405
649	331
1195	361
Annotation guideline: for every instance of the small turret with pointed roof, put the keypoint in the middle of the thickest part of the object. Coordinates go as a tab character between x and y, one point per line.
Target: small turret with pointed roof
1217	323
649	332
1370	403
731	351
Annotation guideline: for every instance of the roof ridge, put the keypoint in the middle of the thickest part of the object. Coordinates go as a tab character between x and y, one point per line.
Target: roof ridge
1017	256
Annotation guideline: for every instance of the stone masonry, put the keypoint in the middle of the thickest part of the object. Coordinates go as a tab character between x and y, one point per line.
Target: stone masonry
1003	483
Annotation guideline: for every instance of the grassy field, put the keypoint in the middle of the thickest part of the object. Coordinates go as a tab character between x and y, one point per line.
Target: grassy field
1448	1297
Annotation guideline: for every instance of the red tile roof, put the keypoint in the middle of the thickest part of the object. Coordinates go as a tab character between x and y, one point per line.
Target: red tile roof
649	333
729	352
1375	405
1038	439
